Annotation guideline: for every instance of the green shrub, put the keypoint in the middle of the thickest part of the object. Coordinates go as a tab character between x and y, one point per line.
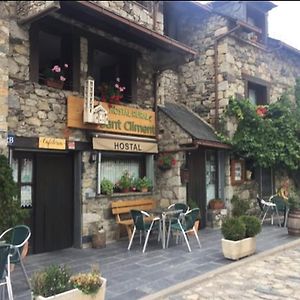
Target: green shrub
11	213
253	225
239	206
233	229
51	281
107	187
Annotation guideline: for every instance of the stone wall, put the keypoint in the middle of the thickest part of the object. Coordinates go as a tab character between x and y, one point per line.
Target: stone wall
136	12
169	186
167	87
4	49
196	78
130	10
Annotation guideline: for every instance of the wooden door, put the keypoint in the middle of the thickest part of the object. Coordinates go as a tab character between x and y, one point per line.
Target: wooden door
197	183
53	206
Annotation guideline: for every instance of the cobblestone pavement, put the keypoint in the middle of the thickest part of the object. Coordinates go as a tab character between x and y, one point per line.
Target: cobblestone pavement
272	277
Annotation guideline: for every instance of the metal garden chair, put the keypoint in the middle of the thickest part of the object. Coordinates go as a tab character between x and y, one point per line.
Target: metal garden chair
17	237
186	226
5	255
142	226
267	207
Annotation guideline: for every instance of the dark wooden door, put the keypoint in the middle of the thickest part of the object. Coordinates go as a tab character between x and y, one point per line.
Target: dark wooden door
53	207
197	182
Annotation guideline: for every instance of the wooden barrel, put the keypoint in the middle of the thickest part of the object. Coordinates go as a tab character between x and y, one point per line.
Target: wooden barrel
293	222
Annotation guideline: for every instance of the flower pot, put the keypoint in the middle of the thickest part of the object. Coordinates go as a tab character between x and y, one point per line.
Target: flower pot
237	249
144	190
216	204
57	84
76	294
99	239
125	190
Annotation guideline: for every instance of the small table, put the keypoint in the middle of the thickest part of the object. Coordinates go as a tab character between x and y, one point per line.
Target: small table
164	214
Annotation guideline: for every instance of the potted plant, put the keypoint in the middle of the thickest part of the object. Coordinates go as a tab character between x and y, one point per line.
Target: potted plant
239	236
111	92
293	218
107	187
144	184
125	182
56	75
56	282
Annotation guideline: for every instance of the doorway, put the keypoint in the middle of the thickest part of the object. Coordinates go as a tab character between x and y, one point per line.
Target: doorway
48	187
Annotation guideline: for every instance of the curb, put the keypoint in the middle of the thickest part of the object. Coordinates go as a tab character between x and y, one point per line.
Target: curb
183	285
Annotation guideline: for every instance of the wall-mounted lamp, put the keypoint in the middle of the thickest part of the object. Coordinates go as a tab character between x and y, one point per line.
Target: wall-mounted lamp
93	157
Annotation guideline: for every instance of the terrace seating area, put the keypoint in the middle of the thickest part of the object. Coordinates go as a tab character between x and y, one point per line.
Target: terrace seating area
134	274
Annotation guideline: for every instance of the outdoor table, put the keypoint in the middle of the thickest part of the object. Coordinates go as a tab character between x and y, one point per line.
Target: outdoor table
164	214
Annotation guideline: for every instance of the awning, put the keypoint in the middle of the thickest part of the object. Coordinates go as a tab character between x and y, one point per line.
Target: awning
202	133
94	15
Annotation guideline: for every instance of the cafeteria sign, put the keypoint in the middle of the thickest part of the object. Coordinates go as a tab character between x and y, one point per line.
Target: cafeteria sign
121	119
52	143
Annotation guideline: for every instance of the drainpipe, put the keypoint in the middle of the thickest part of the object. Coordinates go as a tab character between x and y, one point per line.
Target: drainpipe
216	58
155	76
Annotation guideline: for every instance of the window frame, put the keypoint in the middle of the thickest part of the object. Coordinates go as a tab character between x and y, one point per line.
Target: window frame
116	49
256	81
57	28
141	158
233	165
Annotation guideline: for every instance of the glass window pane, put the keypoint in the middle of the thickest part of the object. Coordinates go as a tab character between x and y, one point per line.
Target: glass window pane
113	169
26	199
26	170
14	166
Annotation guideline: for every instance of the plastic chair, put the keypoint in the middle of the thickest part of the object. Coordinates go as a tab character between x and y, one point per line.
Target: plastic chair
282	207
267	207
5	255
142	226
186	226
17	237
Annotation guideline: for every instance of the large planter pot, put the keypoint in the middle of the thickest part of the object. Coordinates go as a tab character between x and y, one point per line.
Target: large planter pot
76	294
293	222
237	249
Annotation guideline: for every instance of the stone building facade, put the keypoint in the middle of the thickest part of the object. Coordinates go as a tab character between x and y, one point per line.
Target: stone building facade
166	53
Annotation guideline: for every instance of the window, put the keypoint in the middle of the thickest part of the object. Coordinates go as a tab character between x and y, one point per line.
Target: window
53	43
112	166
257	94
237	171
257	18
105	66
23	175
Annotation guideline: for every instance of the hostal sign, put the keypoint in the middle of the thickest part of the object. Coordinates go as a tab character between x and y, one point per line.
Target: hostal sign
121	119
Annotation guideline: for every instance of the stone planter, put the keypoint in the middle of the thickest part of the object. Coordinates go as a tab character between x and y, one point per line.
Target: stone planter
237	249
76	294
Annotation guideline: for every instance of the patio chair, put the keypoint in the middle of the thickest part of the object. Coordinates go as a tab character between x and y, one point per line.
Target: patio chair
17	237
5	254
142	226
267	207
282	207
186	226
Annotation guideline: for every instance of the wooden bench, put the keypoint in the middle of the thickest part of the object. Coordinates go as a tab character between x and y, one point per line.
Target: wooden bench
121	210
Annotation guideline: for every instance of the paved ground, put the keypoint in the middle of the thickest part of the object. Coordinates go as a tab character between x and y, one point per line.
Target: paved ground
273	277
134	275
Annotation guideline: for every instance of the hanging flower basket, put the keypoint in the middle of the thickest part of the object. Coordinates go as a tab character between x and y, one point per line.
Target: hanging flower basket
166	161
